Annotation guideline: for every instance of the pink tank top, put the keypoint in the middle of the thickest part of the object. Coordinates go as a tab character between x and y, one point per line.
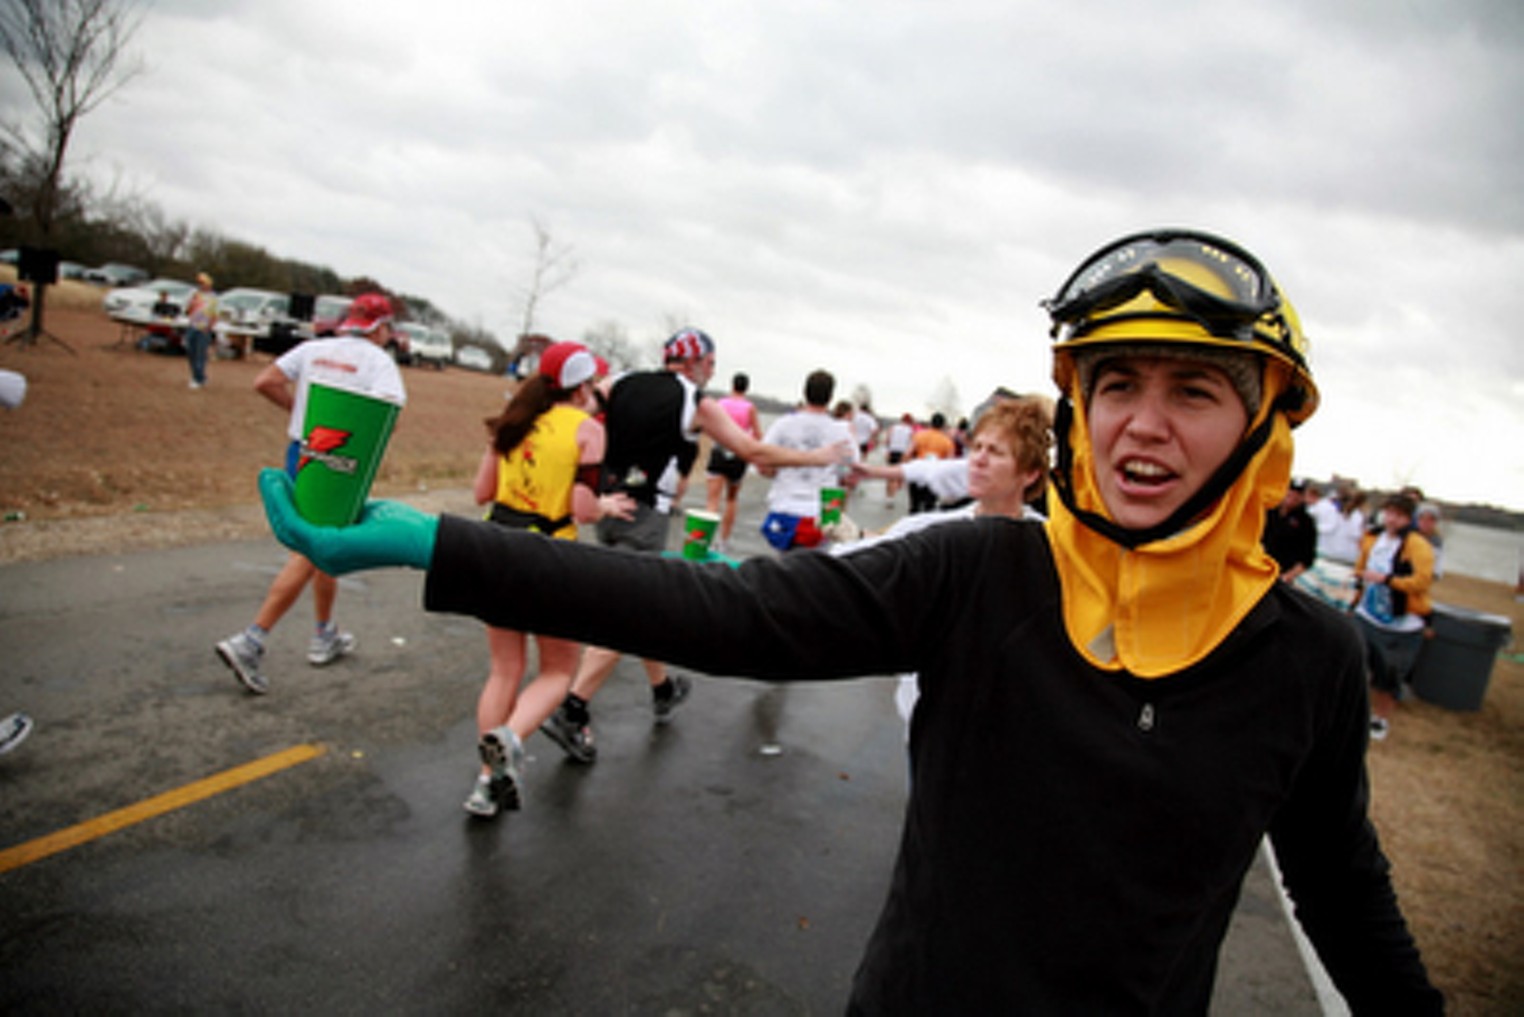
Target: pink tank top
739	409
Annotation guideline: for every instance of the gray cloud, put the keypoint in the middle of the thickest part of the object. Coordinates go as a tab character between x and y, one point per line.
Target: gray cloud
885	192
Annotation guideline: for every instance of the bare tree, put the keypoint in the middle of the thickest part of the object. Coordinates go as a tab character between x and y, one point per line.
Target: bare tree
610	341
72	54
165	239
554	267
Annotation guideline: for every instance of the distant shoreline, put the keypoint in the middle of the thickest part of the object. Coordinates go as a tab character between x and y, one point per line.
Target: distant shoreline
1493	553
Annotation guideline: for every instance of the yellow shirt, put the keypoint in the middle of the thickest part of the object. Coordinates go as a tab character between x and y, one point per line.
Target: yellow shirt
539	474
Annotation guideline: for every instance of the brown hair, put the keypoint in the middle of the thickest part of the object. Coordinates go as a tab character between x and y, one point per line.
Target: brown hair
530	400
1028	425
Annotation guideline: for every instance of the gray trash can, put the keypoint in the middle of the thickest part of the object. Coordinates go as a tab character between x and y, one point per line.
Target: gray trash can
1454	667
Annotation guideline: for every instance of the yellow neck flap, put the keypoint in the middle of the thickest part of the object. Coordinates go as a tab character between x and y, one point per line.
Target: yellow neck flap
1163	606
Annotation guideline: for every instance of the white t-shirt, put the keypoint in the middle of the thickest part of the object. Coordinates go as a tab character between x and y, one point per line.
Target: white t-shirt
1325	515
796	489
347	361
900	436
1342	541
864	427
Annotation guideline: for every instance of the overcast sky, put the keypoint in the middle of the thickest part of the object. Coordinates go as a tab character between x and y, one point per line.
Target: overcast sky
885	190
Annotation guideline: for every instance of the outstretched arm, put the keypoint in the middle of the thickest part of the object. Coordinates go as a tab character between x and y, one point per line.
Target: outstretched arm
878	472
718	425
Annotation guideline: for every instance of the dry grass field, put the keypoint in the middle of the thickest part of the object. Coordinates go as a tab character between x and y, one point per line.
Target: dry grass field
112	451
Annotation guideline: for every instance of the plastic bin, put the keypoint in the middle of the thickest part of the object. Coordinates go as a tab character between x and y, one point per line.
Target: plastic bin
1454	667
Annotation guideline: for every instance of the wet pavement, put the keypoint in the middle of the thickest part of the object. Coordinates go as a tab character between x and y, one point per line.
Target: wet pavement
730	862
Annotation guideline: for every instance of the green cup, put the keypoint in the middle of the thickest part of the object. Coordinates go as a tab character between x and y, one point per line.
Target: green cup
698	533
833	500
344	435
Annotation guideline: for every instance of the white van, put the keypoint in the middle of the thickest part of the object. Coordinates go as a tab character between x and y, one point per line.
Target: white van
429	346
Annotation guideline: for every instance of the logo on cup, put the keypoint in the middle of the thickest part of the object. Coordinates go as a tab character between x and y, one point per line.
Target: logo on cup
320	445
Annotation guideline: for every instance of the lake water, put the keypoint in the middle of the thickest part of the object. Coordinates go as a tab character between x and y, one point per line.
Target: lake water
1483	552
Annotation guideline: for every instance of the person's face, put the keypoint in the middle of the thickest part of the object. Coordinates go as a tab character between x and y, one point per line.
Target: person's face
1428	523
1160	429
1395	521
993	471
701	369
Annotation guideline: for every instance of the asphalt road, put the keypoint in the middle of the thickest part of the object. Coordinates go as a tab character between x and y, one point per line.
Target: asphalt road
687	872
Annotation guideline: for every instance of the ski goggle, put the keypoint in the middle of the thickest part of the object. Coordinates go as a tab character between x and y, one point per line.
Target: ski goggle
1172	265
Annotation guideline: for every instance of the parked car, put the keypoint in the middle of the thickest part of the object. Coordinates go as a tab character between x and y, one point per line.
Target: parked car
428	346
245	316
474	357
116	273
73	270
153	301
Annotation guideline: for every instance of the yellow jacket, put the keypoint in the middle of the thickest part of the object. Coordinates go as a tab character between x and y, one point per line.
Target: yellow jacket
1416	551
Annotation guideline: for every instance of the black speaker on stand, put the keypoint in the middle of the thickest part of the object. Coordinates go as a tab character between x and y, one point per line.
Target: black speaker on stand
38	266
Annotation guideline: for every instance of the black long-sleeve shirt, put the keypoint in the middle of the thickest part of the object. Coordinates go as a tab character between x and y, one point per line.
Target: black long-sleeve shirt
1075	839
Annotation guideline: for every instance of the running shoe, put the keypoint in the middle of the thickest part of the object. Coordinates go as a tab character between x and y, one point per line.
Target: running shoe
242	655
491	795
502	752
665	705
13	731
576	740
327	647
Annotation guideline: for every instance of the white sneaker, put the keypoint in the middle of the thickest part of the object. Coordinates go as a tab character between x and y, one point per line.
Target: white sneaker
242	655
498	790
502	752
489	795
328	647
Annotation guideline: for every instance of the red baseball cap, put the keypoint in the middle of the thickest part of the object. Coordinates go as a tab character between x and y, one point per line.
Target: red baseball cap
567	364
367	312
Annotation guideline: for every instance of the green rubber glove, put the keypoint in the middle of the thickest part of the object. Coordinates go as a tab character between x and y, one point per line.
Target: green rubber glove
387	533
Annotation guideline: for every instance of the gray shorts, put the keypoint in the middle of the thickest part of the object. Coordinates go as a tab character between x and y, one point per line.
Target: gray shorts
646	532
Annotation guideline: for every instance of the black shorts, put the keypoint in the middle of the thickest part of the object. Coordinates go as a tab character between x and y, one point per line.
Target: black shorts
725	463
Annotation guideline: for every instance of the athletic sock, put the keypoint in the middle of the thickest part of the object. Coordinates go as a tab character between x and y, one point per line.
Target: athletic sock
576	709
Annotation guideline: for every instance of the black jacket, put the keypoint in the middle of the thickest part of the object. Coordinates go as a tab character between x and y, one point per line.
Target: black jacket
1075	839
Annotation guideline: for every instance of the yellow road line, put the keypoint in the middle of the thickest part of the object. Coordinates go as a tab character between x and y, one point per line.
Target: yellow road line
80	833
